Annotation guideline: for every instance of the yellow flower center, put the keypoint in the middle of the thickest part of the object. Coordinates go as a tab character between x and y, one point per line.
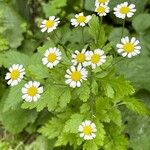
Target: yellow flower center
95	58
125	10
87	130
102	1
80	58
32	91
52	57
15	74
76	76
81	19
101	9
128	47
49	23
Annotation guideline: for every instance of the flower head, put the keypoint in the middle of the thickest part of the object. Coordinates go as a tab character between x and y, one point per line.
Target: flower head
96	58
31	91
79	58
102	10
50	24
15	74
124	10
52	57
98	2
75	75
87	130
128	47
80	20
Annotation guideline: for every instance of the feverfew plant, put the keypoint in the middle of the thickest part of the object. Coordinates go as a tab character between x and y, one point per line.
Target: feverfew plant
76	85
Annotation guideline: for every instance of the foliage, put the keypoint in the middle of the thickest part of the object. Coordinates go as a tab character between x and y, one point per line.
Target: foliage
107	98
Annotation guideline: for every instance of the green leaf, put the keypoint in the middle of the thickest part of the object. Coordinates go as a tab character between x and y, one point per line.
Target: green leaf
14	97
97	31
115	35
109	91
73	123
38	72
137	71
94	87
4	44
136	106
49	99
90	145
14	57
100	134
116	87
14	24
53	7
65	98
16	120
53	128
141	22
115	116
83	92
102	107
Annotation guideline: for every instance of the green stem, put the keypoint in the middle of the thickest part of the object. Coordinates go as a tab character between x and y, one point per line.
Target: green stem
123	27
83	35
101	20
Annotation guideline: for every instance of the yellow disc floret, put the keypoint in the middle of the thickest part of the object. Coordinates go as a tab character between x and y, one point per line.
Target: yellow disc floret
87	130
32	91
76	76
81	19
95	58
80	58
52	57
49	23
15	74
125	10
128	47
101	9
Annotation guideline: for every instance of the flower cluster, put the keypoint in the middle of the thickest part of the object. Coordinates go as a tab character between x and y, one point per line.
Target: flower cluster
77	73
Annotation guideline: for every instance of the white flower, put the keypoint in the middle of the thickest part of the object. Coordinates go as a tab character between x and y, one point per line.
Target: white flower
124	10
32	91
102	10
96	58
98	2
87	130
79	58
128	47
52	57
50	24
15	74
75	75
80	20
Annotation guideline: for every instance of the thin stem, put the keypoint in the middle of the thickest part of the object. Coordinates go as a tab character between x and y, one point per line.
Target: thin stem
123	27
83	35
101	20
56	36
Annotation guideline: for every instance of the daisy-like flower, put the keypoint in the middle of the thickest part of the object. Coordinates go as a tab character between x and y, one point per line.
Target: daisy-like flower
80	20
128	47
96	58
49	25
79	58
75	75
87	130
15	74
124	10
102	10
52	57
32	91
98	2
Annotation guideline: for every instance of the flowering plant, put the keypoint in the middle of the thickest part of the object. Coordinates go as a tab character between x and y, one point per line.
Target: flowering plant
69	89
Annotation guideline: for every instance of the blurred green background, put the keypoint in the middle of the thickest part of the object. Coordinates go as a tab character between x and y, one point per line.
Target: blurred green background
19	31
